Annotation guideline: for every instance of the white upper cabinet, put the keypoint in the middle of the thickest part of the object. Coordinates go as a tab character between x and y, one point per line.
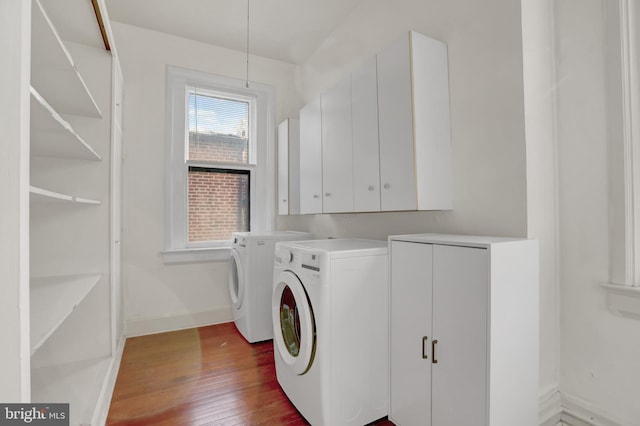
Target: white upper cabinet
414	125
288	167
380	139
311	157
283	167
337	154
364	122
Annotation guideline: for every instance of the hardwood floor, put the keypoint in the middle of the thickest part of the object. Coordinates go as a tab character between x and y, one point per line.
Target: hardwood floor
204	376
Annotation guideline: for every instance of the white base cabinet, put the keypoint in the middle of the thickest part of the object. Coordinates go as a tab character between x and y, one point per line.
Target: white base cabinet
463	330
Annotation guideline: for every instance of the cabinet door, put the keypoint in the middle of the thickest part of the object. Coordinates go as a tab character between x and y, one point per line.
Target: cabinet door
431	126
460	304
311	158
283	168
410	334
364	123
294	166
395	121
337	149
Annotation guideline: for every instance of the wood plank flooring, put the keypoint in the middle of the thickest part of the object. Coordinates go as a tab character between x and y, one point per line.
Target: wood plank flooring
203	376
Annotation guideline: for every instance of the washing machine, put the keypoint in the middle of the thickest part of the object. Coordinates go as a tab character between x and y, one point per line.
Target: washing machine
330	319
250	280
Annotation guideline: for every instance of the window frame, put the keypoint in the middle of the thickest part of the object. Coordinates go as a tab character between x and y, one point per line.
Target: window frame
261	165
623	288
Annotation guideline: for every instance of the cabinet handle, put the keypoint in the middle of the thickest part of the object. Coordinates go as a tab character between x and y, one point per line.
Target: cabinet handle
284	200
371	187
424	340
387	186
316	196
433	351
327	194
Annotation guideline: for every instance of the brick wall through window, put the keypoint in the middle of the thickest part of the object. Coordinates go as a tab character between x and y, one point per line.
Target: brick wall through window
218	200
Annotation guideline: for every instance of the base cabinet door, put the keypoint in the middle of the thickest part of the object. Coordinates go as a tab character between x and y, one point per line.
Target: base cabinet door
410	333
459	358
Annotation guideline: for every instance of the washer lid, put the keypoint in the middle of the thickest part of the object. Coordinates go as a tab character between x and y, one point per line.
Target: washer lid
293	323
236	279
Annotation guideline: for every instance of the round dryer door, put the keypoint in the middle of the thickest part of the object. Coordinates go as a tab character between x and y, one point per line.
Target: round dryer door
293	323
236	279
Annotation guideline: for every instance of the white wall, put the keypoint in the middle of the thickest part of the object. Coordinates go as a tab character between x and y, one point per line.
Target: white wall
158	296
600	352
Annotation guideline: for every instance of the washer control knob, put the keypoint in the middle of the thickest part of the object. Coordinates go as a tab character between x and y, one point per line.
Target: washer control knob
288	257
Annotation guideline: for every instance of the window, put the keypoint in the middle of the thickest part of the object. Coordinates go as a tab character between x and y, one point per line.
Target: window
218	157
219	163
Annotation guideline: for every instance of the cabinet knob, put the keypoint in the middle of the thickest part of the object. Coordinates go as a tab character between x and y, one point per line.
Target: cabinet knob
316	196
387	186
284	200
327	194
371	187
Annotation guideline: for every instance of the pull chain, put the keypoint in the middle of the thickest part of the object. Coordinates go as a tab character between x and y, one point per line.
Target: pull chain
247	82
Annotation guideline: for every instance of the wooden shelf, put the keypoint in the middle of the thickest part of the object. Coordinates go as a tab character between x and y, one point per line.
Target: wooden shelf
53	71
40	195
52	136
52	301
76	383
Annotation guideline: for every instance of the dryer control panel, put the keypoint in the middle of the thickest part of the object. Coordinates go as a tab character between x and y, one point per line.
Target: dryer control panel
297	259
310	261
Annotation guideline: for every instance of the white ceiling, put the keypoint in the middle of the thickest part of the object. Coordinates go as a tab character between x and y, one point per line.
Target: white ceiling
286	30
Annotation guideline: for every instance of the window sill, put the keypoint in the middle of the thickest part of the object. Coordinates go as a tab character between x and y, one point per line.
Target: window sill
623	300
196	255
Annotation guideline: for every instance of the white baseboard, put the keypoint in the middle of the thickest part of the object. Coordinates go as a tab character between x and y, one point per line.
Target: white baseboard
550	403
145	326
561	409
578	412
106	392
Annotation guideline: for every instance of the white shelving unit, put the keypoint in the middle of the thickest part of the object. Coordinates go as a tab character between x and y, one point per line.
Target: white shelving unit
52	301
74	347
53	71
52	136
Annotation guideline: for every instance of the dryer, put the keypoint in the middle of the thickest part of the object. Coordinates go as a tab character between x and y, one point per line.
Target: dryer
250	276
330	319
